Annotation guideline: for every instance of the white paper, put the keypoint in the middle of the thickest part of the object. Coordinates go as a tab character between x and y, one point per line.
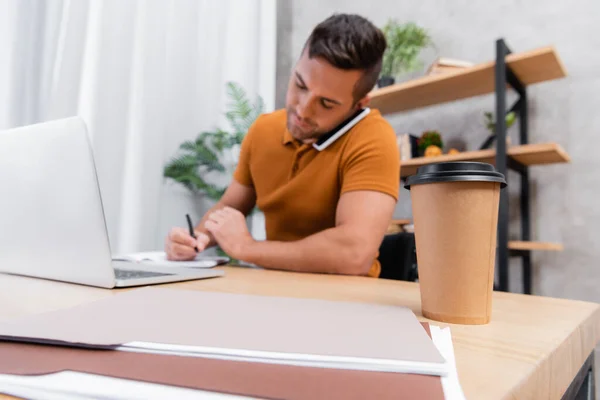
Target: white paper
159	258
68	385
442	338
294	359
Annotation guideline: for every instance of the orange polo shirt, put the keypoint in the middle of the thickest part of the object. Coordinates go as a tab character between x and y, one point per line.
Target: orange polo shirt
298	188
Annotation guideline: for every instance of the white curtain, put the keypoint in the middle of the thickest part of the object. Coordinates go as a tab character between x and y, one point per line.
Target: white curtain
145	75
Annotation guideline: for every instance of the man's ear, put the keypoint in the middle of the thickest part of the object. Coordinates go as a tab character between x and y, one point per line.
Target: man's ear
362	103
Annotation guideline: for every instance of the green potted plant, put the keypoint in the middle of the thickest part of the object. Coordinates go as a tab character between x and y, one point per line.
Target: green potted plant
197	158
429	138
404	44
490	124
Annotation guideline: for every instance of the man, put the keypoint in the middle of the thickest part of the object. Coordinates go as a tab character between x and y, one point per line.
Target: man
325	211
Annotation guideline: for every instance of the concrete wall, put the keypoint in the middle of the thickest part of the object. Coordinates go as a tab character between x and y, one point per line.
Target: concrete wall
565	111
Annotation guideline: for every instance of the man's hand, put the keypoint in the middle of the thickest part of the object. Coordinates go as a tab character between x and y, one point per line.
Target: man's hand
180	246
228	227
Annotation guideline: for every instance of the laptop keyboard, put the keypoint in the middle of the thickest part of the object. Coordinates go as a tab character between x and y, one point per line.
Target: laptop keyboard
123	274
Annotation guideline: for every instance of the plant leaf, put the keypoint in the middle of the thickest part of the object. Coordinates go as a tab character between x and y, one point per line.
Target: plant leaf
203	154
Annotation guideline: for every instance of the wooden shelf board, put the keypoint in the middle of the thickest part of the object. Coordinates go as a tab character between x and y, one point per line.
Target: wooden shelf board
396	226
534	66
528	154
547	246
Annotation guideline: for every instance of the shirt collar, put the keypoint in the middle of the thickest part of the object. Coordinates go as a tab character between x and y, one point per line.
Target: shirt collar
287	137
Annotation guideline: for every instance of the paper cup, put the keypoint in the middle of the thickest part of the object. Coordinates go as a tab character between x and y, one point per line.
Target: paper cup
455	213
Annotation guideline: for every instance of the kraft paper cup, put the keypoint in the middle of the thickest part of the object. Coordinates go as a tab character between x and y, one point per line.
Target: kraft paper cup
455	212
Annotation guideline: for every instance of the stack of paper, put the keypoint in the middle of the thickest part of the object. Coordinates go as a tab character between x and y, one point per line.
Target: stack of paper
164	334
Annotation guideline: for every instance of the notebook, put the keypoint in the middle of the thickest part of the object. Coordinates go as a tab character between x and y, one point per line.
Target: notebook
159	258
237	327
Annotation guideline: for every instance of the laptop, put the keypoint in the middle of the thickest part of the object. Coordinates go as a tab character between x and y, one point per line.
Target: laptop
52	222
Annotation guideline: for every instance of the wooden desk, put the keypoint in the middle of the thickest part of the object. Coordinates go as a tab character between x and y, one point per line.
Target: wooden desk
532	349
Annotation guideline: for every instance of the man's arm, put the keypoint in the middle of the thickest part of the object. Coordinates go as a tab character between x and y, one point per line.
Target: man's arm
362	218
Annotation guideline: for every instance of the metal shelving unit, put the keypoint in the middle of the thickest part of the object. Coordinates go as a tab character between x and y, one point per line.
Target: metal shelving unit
508	71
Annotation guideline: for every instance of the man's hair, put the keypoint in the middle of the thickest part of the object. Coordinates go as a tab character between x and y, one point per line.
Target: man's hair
349	41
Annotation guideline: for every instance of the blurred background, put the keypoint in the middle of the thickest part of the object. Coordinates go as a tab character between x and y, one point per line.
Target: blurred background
168	88
146	76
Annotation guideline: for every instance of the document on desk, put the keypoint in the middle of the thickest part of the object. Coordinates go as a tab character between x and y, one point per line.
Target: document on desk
257	380
159	258
72	385
236	327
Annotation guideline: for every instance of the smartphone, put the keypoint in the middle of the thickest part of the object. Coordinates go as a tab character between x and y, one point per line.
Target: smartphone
330	137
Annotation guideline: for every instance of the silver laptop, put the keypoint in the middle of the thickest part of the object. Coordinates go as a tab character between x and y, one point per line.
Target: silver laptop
52	222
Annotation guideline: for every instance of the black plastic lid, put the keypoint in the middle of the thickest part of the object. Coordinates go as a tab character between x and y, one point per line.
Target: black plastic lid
458	171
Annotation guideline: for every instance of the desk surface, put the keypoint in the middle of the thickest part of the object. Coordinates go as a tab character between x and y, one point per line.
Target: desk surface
533	348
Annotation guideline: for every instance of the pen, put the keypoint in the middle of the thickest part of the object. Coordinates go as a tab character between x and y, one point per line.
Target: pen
189	221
